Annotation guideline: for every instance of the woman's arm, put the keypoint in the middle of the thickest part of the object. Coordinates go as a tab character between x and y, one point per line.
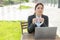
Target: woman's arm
46	22
31	26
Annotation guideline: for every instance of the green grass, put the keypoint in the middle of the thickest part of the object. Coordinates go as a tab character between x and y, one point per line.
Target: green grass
24	7
10	30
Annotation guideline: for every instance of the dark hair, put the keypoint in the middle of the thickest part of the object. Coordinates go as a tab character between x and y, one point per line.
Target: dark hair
39	4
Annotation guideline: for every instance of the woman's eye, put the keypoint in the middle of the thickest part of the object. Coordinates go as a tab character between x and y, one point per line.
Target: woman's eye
41	8
38	7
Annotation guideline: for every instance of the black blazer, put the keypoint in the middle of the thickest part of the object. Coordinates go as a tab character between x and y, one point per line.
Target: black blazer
31	27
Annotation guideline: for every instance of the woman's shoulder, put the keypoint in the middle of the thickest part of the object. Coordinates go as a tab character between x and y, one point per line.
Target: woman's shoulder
31	16
45	16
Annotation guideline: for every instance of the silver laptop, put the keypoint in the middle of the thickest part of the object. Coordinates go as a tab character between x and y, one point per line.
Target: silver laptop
45	32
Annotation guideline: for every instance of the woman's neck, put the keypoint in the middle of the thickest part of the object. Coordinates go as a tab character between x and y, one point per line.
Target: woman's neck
38	15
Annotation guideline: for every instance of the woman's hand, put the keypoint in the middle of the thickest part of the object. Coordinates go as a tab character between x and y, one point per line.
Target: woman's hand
41	20
34	20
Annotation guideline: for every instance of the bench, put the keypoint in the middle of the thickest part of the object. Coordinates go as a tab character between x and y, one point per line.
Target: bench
24	25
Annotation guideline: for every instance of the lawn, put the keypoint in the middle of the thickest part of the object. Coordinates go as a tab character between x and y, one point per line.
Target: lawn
24	7
10	30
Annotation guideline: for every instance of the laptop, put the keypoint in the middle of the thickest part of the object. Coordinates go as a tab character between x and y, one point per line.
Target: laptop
45	32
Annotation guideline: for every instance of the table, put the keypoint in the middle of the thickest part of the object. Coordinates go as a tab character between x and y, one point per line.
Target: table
27	36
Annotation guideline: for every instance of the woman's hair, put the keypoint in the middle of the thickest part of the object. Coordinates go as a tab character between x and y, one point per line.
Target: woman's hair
39	4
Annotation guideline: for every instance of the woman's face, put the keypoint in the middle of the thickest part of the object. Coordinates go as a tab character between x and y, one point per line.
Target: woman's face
39	10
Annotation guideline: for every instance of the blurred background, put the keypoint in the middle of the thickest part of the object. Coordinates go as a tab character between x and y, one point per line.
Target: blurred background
12	12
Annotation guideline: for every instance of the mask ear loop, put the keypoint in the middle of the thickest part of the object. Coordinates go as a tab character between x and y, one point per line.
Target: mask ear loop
41	22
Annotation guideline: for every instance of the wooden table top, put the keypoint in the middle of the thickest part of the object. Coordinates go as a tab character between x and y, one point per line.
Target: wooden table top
27	36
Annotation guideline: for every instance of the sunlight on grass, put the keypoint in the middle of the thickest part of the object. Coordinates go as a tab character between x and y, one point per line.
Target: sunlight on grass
10	30
24	7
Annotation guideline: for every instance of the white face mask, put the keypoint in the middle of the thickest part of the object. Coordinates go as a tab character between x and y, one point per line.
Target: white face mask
38	21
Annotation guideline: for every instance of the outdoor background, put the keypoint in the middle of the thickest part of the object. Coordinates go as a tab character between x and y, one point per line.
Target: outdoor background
12	12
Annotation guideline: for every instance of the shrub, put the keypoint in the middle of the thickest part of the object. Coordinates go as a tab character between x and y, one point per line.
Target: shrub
24	7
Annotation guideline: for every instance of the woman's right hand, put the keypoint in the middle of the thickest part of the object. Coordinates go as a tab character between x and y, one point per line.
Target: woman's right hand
34	20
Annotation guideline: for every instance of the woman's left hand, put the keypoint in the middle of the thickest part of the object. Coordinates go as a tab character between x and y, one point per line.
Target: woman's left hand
41	20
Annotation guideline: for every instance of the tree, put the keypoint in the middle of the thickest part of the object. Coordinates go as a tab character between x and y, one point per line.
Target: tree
58	3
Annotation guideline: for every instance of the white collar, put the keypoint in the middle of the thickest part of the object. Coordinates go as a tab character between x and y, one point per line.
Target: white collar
38	16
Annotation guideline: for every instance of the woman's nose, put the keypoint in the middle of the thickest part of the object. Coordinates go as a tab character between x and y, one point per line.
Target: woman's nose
40	9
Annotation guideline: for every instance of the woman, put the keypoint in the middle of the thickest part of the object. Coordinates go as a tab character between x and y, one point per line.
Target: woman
37	19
